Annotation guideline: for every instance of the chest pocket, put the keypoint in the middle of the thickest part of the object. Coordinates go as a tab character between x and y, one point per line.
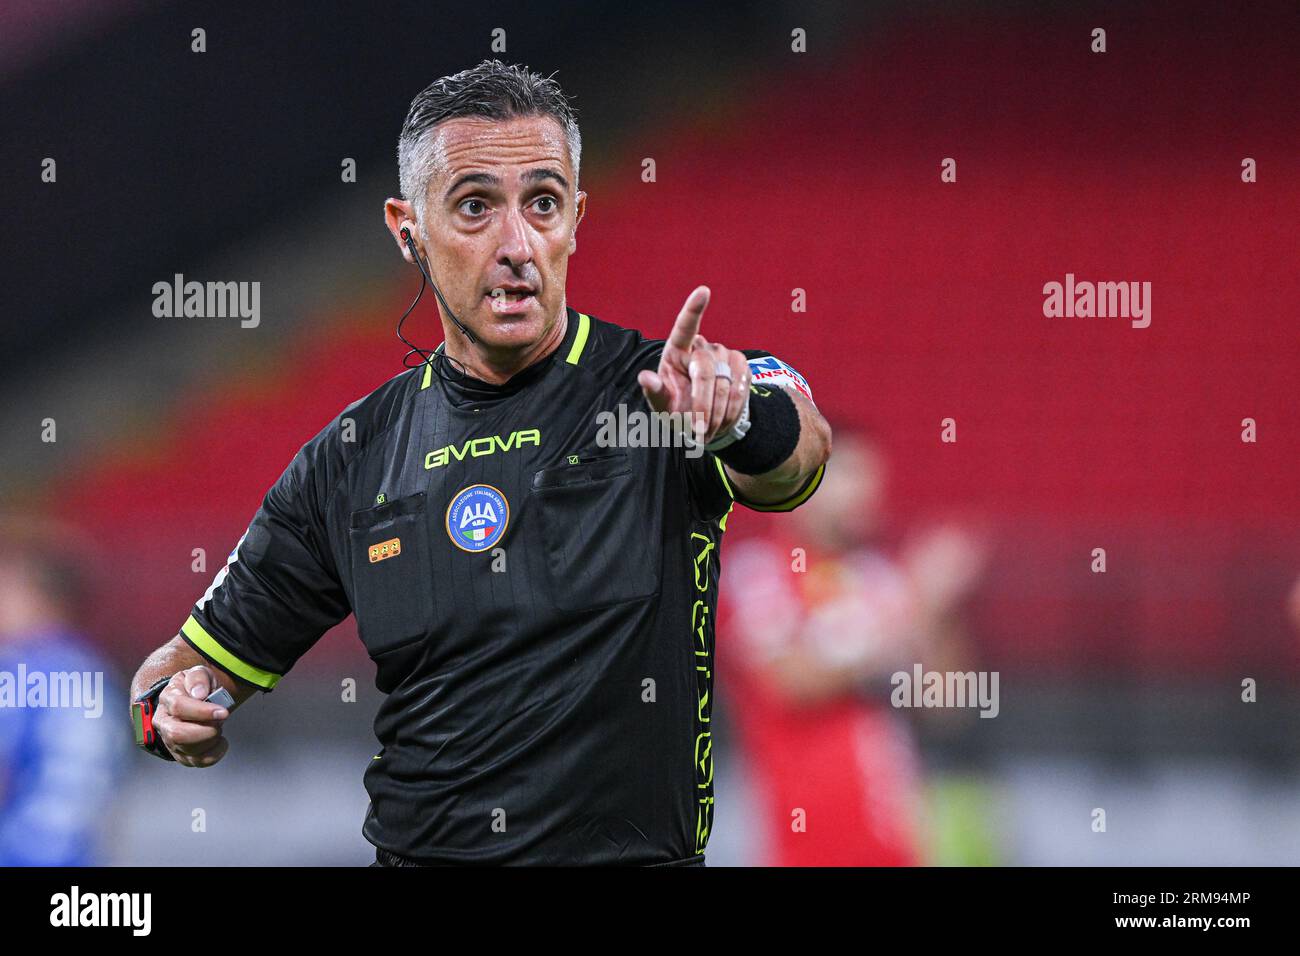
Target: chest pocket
392	573
601	546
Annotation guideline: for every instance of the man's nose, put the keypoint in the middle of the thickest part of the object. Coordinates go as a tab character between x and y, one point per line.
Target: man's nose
514	246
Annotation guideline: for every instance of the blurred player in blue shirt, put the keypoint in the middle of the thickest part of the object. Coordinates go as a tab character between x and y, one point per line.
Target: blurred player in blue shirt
58	750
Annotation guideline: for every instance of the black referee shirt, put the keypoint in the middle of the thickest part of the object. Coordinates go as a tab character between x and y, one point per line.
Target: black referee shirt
539	608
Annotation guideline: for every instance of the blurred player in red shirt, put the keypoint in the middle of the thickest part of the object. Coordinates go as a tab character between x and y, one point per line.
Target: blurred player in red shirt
809	641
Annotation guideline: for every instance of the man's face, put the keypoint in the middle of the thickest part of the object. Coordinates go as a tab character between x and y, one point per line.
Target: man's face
21	605
500	220
849	505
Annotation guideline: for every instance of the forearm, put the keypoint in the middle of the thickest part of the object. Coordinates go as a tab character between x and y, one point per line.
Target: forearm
811	452
176	655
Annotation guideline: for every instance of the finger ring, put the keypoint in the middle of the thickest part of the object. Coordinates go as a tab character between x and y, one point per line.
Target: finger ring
722	370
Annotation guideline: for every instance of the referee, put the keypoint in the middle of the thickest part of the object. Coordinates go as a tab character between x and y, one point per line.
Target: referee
538	600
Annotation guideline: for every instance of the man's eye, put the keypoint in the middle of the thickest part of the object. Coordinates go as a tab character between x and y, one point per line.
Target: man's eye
546	199
478	205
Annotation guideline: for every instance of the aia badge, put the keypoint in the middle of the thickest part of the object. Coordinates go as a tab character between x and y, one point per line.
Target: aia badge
477	517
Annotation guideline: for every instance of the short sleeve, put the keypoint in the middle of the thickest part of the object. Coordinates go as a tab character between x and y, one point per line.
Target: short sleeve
768	370
279	590
710	491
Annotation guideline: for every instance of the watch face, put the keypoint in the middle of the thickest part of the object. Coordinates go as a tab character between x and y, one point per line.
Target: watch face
137	720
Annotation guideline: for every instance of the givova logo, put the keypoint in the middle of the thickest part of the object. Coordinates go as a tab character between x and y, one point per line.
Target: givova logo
478	447
477	518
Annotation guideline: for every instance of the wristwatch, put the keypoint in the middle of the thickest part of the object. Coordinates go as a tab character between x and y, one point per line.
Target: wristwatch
142	711
738	431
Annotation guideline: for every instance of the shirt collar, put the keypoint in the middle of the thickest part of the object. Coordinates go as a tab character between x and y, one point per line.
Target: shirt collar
468	388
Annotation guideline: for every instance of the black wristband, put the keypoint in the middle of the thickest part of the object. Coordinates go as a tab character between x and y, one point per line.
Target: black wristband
773	432
142	713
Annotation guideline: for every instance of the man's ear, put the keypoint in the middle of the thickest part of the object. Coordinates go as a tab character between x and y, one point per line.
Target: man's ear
581	211
398	213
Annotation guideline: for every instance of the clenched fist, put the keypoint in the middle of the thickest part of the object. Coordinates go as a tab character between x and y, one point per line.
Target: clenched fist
189	726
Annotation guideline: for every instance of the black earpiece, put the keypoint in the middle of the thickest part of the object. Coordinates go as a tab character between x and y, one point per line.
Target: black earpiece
405	233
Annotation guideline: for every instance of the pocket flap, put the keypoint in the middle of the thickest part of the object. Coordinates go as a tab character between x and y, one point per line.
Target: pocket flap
585	470
379	514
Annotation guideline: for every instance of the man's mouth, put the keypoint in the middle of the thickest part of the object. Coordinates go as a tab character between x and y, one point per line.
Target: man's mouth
511	298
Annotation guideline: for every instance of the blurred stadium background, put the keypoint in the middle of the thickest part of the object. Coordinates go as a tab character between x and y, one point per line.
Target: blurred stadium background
774	171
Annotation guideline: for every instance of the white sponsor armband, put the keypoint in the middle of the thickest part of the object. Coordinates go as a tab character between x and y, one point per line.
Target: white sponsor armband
770	370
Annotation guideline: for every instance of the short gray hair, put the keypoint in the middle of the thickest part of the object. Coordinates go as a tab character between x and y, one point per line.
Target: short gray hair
491	90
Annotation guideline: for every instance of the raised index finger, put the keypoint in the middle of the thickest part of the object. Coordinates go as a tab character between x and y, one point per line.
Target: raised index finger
687	325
